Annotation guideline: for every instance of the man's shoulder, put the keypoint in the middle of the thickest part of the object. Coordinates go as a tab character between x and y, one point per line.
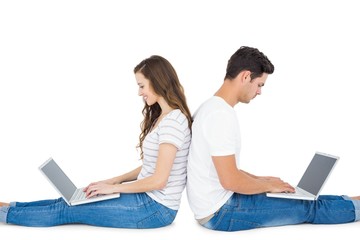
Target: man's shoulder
214	109
214	104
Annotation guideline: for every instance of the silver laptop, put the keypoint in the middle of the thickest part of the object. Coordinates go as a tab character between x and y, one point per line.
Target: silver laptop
67	189
313	179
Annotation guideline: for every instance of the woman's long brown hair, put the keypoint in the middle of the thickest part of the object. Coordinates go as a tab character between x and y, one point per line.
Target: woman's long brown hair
165	82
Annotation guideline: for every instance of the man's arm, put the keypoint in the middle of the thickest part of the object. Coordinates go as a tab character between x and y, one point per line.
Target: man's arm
258	177
233	179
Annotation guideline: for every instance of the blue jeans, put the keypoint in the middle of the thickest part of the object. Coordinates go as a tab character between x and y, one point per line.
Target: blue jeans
244	212
127	211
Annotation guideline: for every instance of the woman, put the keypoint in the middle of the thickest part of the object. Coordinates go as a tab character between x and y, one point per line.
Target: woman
150	194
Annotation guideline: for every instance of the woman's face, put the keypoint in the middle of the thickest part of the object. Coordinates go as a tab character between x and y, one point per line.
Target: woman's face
145	89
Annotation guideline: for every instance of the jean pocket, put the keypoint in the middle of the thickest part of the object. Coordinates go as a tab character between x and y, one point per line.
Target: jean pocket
153	221
217	223
237	225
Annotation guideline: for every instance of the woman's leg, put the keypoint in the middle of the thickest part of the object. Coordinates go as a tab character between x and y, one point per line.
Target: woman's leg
36	203
128	211
243	212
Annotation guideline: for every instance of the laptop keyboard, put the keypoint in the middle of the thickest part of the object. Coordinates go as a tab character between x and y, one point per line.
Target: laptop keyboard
297	192
79	195
292	193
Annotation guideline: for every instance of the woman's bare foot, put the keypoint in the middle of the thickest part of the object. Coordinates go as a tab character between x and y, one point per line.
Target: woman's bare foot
2	204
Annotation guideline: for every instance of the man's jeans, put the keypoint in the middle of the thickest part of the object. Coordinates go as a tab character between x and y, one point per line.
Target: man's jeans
243	212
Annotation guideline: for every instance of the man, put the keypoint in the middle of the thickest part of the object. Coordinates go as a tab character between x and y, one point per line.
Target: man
221	195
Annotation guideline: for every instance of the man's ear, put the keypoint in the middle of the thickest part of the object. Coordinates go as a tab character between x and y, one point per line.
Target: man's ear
245	76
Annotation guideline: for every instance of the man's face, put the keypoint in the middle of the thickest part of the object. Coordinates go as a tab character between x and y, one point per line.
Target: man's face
252	88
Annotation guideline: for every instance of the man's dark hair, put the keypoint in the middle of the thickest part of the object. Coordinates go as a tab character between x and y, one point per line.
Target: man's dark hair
250	59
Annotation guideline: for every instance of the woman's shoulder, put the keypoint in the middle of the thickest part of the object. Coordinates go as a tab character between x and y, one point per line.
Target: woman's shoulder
176	117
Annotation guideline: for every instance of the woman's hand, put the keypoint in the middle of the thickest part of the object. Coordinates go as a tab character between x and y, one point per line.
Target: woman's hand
99	188
108	181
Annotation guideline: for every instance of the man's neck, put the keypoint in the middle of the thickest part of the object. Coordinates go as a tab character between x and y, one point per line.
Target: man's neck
226	92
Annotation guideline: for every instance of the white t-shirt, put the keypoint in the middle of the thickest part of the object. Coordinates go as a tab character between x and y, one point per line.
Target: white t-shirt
215	132
172	129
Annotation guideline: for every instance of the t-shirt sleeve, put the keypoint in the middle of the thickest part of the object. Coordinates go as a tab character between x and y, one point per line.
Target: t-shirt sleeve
219	130
173	131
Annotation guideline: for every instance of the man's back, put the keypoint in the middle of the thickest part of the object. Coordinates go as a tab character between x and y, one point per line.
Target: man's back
215	132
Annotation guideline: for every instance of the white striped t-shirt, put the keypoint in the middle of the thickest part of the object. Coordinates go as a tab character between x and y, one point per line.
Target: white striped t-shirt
172	129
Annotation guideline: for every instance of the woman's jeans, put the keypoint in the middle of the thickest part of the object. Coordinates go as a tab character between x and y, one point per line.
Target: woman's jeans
127	211
243	212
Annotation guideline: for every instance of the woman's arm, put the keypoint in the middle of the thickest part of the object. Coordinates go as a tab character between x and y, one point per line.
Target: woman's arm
166	157
127	177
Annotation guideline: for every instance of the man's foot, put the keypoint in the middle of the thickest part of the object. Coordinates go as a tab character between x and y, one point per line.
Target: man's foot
2	204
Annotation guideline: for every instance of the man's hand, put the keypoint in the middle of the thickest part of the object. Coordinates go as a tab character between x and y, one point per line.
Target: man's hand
277	185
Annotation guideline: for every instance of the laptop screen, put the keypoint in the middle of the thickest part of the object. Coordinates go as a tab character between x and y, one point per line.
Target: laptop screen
317	173
59	179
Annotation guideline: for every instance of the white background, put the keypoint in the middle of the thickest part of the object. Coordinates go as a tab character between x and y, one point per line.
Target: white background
67	90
